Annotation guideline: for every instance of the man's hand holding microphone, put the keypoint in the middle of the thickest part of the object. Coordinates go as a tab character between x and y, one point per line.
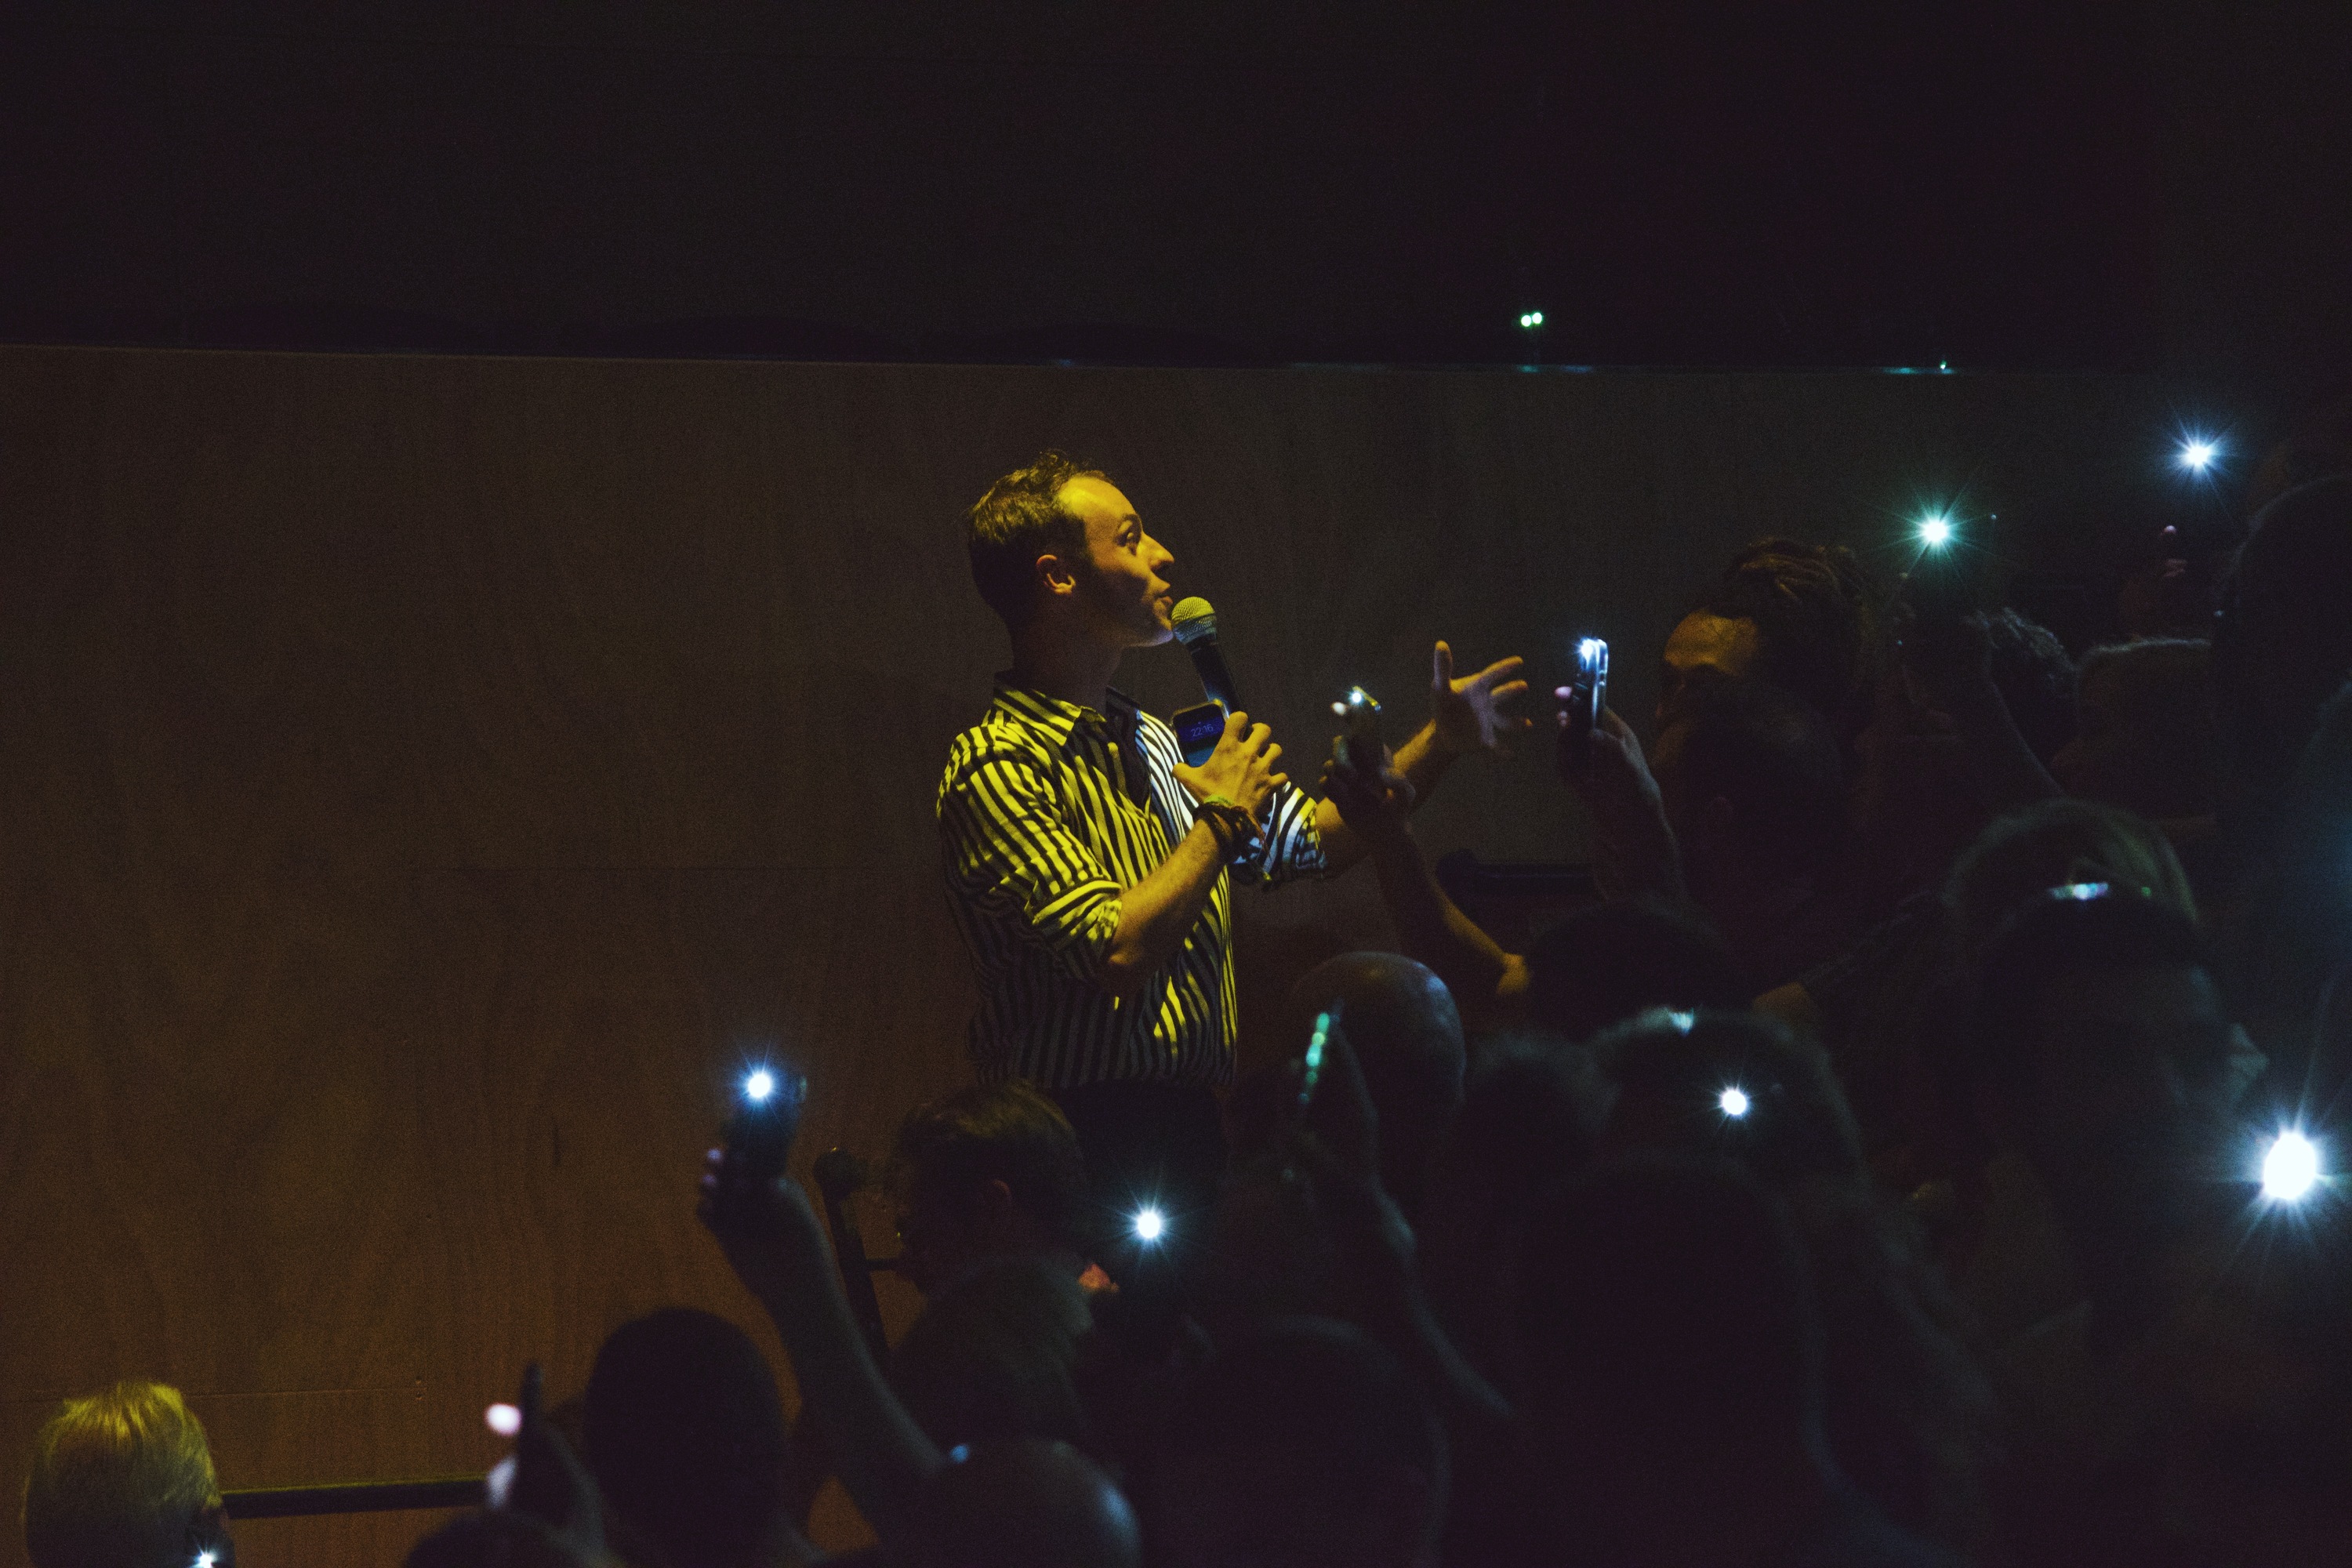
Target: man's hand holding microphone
1231	788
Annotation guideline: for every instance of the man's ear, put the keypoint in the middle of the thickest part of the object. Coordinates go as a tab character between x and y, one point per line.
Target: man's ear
1055	575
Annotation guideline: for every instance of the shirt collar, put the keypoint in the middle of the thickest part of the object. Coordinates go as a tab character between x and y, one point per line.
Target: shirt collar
1058	716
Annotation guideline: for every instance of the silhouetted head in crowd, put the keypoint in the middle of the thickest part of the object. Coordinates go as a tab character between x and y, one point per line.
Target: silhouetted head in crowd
994	1355
2283	643
1303	1445
1030	1503
123	1478
2055	844
1736	1086
1407	1036
2145	737
1603	965
2036	679
1673	1398
1533	1115
1754	786
2319	445
989	1172
684	1434
1902	1408
1804	617
2105	1056
2290	942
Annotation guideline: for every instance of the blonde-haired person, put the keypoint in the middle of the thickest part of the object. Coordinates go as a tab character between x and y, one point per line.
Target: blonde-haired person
123	1478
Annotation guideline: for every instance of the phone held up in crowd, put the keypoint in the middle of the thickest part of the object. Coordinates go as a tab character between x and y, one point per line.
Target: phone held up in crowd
766	1116
1587	692
1359	747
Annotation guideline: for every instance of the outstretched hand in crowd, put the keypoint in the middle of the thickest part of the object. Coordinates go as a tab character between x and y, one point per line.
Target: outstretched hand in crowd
1471	714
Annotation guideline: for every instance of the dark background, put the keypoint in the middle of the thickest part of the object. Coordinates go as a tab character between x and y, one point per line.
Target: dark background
2010	185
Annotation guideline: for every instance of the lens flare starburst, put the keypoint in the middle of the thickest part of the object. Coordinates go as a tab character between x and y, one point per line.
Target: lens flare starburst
2290	1168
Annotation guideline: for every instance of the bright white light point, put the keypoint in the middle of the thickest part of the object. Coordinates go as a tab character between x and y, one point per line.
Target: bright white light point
1936	532
1734	1102
503	1419
761	1084
2195	454
1531	319
2290	1168
1148	1225
206	1558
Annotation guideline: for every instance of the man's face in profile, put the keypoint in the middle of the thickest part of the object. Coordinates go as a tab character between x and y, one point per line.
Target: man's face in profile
1122	583
1702	647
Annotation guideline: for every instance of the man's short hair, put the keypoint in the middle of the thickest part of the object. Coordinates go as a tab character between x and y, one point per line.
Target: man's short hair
117	1478
1021	518
1005	1132
685	1436
1775	758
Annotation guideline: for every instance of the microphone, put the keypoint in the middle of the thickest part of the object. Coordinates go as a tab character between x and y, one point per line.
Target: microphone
1196	628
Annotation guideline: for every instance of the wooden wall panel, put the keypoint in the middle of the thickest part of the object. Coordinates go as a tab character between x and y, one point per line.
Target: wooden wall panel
424	780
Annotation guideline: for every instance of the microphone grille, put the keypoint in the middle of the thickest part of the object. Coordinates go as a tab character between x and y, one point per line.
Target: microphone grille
1194	620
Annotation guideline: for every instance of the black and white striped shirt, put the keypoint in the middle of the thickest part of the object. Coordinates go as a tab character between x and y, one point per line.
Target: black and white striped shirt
1044	826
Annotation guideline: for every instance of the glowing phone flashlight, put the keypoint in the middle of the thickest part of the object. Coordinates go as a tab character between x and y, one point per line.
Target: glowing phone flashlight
2197	454
1935	531
1733	1101
2290	1168
503	1419
766	1116
1313	1073
1150	1225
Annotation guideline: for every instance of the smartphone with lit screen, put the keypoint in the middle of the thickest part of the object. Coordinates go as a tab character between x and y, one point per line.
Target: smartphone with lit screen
1198	730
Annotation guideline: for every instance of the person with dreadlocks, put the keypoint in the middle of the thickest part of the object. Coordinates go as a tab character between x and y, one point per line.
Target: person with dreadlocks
1806	617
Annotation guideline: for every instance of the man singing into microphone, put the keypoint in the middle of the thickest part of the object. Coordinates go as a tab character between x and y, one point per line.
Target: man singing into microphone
1090	869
